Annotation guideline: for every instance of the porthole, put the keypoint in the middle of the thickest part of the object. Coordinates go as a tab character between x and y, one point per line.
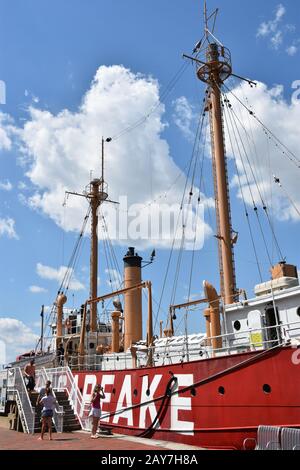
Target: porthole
135	392
193	392
221	390
267	389
298	311
117	358
237	325
148	392
113	391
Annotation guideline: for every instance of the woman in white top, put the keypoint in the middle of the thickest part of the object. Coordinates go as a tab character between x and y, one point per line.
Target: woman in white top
48	401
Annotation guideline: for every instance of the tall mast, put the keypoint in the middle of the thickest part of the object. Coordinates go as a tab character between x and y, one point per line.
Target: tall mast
95	203
205	19
214	70
96	195
222	199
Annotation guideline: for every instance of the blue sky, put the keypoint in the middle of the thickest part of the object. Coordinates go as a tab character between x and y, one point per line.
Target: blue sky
50	52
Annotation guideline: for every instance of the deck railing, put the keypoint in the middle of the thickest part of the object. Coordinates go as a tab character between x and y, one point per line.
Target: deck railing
252	339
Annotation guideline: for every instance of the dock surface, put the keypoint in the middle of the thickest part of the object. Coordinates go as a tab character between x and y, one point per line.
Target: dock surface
80	440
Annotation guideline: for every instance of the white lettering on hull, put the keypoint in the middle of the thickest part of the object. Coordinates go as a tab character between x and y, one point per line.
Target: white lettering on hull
89	384
106	380
182	403
177	402
124	401
144	398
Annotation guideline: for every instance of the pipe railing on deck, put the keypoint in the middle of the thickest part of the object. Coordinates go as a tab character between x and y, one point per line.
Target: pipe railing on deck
232	343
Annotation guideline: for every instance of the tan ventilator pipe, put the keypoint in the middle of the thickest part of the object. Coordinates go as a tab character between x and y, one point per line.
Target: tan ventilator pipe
206	315
115	343
214	308
60	301
133	330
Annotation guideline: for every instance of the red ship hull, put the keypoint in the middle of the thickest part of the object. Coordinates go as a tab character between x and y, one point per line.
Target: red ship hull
225	400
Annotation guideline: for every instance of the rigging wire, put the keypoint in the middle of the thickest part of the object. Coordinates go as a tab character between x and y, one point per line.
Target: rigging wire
184	216
171	85
243	198
113	269
64	286
257	163
197	213
232	122
264	206
279	183
177	225
74	257
291	156
195	153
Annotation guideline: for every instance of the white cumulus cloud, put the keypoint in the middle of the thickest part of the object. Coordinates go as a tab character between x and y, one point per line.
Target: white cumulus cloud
184	117
6	130
270	27
37	289
275	30
7	227
6	185
52	274
292	50
266	160
10	329
64	148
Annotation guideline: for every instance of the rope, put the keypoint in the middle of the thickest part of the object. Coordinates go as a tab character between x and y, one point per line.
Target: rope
232	117
291	156
258	189
248	182
163	97
243	198
74	255
179	215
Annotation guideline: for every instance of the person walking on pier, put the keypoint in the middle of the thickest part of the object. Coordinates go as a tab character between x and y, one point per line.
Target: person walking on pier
60	353
42	391
97	395
48	401
29	372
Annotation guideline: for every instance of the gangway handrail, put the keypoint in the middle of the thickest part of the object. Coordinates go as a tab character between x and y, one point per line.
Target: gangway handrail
26	410
58	414
62	379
